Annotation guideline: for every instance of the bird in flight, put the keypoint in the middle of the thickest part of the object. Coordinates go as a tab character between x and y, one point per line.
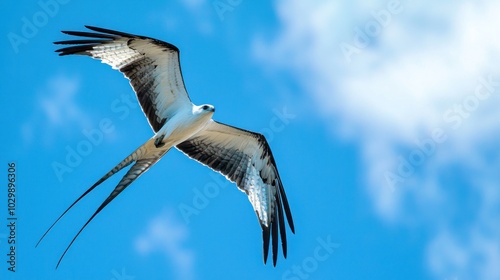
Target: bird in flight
243	157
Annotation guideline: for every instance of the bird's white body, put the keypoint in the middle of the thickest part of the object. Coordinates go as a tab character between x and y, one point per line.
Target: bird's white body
185	123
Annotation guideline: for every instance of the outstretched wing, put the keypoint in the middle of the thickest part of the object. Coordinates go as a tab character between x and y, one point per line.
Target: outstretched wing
144	157
245	158
151	65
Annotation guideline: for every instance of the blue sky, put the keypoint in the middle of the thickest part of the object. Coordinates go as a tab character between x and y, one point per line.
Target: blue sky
382	118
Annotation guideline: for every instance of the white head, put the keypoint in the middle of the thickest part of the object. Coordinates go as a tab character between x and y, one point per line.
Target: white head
204	109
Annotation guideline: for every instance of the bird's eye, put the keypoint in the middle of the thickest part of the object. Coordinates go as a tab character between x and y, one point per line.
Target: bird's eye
205	107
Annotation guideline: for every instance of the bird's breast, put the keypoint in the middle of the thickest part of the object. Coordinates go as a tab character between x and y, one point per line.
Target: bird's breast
183	126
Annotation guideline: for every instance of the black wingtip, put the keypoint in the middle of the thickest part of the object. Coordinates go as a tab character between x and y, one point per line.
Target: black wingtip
274	234
281	223
110	31
290	223
265	237
286	206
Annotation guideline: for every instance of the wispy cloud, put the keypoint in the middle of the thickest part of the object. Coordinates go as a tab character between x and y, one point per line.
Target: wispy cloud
58	101
166	234
412	73
199	17
194	5
472	255
55	109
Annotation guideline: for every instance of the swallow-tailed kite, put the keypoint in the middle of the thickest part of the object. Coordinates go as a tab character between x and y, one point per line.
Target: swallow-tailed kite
244	157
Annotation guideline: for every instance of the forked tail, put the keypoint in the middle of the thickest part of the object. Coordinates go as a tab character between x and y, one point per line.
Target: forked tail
144	157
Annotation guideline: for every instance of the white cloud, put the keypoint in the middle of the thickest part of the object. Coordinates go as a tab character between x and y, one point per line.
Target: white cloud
58	102
396	87
473	256
55	109
166	235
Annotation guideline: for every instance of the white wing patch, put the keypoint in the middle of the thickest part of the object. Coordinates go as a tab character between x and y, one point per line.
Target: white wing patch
260	195
116	54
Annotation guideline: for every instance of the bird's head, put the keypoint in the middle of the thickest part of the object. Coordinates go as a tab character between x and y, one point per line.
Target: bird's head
204	109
